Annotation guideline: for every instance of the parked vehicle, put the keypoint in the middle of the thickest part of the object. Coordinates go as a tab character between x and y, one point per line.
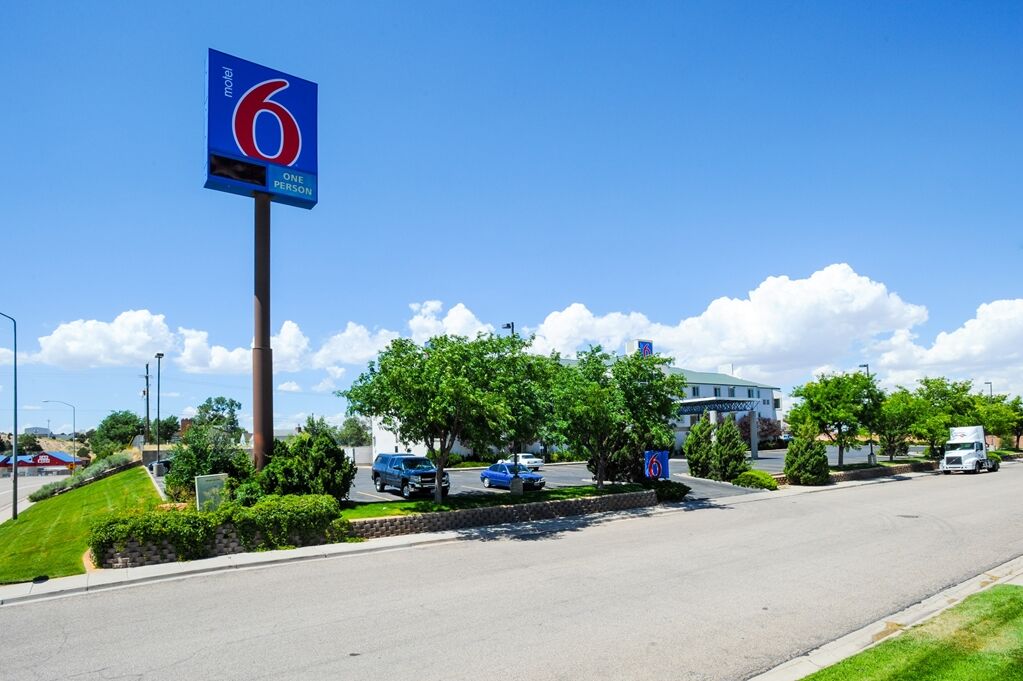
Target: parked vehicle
501	474
531	461
408	473
966	450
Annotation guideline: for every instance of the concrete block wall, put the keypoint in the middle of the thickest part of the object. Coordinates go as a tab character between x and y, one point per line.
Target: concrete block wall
226	541
371	528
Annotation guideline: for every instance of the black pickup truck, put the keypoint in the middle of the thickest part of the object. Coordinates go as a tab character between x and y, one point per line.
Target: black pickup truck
408	473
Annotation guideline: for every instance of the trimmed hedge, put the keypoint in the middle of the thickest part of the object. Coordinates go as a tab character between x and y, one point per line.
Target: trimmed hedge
80	477
275	522
756	480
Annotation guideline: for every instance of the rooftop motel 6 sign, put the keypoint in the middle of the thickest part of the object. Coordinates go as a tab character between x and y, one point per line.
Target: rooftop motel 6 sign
260	131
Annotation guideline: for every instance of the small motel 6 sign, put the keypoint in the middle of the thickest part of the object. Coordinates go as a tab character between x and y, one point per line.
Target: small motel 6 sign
260	131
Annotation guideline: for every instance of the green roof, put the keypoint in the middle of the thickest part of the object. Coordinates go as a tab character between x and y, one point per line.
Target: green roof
701	377
712	378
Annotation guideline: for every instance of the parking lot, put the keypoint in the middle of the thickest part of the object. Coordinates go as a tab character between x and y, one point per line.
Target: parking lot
558	475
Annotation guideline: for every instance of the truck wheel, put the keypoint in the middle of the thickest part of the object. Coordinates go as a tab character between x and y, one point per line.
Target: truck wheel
978	467
406	491
378	482
946	472
995	466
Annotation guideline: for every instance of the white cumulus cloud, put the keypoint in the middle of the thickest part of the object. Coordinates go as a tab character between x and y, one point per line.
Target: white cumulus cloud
290	348
355	345
988	347
289	387
198	357
775	332
133	337
426	321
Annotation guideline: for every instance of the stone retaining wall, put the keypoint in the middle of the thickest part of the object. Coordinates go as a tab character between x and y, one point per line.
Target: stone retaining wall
226	540
371	528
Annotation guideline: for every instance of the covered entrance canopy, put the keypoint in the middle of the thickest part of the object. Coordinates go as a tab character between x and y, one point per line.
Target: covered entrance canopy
698	405
717	405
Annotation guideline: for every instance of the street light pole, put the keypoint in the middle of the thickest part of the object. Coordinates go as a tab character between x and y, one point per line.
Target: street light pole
14	438
516	488
74	431
871	459
990	389
159	357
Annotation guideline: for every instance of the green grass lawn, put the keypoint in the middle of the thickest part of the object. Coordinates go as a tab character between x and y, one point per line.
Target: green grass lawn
49	538
981	639
354	510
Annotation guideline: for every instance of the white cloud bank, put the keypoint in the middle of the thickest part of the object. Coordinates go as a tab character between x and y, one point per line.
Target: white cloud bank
778	333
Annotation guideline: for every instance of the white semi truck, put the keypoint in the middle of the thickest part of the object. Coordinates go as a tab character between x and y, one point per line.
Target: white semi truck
966	450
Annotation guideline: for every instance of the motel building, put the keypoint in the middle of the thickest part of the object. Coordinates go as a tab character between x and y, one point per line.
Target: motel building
718	395
41	463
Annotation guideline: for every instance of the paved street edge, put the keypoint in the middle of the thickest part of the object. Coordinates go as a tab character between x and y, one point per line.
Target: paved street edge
892	625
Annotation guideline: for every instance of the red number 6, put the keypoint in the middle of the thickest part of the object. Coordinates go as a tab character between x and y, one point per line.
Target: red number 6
243	123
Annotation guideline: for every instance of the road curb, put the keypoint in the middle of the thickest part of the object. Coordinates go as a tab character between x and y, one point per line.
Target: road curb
887	627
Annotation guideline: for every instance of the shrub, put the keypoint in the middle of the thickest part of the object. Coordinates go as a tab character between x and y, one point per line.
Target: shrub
994	457
284	521
188	531
205	450
273	522
668	490
312	463
756	480
80	477
698	448
806	461
728	453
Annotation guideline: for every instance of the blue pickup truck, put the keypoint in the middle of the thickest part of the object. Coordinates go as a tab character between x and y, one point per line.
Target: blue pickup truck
408	473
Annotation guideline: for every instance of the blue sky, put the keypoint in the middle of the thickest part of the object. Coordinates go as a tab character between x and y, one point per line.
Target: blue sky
592	171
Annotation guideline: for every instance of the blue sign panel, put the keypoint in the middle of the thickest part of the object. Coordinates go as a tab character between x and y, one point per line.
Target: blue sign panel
260	131
646	348
656	465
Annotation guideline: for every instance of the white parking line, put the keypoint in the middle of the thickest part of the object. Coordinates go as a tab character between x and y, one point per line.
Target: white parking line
375	496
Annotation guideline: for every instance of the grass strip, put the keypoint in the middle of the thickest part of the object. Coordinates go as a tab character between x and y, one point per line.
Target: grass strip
379	509
49	538
981	639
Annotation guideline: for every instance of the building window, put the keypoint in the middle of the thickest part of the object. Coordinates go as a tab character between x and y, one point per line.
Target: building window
767	402
777	403
696	391
758	392
717	392
731	392
749	392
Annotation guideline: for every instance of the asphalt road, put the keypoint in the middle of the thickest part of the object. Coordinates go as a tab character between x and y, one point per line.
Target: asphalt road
26	485
718	592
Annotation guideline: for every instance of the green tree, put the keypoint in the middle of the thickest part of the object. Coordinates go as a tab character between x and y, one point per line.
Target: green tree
313	462
729	452
204	450
1016	404
5	444
838	406
27	443
115	432
699	448
616	408
894	423
168	428
996	415
221	412
437	394
944	404
355	432
806	460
